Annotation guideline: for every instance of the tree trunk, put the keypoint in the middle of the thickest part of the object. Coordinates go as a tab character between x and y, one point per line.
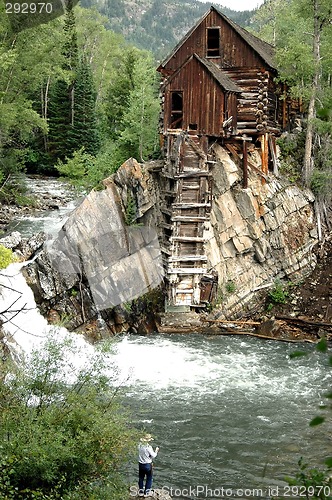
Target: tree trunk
44	107
308	163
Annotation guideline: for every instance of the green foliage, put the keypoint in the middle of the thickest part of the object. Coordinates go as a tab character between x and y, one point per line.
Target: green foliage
230	287
70	47
140	133
85	170
68	84
6	257
130	211
321	182
311	483
301	31
72	113
117	99
61	135
291	155
132	109
13	187
279	293
85	121
61	439
76	167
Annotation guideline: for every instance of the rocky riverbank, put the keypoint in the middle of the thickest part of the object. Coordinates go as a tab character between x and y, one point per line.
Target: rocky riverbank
306	314
126	266
156	494
42	194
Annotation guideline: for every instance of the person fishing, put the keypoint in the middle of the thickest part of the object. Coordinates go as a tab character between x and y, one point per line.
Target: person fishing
145	456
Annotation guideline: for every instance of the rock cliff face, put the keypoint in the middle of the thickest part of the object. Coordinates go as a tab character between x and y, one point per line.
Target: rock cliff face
100	261
107	254
256	235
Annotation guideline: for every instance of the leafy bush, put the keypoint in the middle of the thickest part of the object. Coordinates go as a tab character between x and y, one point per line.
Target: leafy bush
87	171
291	155
316	484
321	183
76	167
6	257
61	439
130	213
230	287
279	293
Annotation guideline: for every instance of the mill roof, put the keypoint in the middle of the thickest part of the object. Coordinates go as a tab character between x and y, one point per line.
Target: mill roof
218	74
265	50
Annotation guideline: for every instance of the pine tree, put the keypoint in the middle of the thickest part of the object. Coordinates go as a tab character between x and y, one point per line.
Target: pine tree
61	138
61	142
85	121
70	47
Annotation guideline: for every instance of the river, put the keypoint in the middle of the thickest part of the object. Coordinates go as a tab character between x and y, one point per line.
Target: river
229	413
49	220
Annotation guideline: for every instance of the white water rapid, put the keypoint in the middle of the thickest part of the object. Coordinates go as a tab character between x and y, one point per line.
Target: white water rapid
227	412
26	330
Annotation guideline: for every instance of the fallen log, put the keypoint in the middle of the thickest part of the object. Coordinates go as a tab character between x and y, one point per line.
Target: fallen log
235	322
306	322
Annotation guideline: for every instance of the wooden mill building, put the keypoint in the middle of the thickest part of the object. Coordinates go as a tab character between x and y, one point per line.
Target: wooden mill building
218	85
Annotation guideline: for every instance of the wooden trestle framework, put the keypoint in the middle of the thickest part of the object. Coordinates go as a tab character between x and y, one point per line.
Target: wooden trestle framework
186	208
218	85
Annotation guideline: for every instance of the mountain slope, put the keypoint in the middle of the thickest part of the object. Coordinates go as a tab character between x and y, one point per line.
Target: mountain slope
157	25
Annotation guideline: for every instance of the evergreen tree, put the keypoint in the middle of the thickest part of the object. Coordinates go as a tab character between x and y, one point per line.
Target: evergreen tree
61	140
70	48
85	121
72	116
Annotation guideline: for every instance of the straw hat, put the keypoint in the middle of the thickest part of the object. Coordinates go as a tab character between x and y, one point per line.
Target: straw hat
146	438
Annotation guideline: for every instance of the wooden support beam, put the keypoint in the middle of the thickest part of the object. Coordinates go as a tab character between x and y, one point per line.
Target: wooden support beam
273	150
165	250
168	193
194	239
165	225
265	154
188	258
166	210
187	218
193	173
187	270
245	165
231	148
229	321
305	322
249	131
185	206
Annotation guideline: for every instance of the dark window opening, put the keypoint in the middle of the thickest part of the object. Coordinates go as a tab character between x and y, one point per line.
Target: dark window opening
176	110
213	42
193	126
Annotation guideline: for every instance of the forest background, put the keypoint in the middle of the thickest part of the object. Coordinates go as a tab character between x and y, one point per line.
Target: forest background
79	94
